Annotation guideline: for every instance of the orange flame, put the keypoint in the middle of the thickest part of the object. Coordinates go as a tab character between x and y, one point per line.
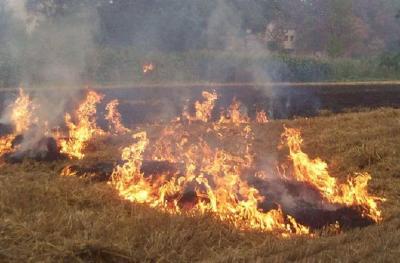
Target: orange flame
128	179
316	173
67	171
234	115
114	118
21	117
261	117
212	174
148	67
210	180
203	109
81	133
21	112
6	144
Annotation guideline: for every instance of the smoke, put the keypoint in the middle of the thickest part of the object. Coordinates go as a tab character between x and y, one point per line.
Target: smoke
223	28
53	59
56	49
225	31
61	47
18	8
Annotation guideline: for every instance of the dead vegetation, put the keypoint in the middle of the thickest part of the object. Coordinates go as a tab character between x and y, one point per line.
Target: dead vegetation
45	217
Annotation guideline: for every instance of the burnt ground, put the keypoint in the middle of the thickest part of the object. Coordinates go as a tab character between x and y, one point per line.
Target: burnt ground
281	101
148	103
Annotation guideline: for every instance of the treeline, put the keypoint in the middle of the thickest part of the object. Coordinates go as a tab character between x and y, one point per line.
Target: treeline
335	27
199	40
124	65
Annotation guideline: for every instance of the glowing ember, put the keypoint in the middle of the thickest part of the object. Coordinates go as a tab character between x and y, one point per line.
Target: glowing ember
114	118
148	67
261	117
85	128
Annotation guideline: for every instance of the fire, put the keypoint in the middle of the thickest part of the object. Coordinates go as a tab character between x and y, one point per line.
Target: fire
201	176
6	144
210	182
212	179
128	179
85	128
114	118
21	115
203	109
315	172
66	171
261	117
21	118
148	67
234	115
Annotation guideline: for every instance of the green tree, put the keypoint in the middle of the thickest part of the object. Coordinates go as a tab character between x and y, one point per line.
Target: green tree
339	26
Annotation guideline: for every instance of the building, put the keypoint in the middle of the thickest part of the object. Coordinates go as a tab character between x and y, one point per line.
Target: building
289	40
280	36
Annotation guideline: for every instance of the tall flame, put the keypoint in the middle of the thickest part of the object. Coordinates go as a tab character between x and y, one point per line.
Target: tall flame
315	172
85	128
21	114
203	109
21	117
213	177
114	118
127	178
206	179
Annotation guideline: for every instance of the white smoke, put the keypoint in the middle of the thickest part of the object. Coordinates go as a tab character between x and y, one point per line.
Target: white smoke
18	7
53	59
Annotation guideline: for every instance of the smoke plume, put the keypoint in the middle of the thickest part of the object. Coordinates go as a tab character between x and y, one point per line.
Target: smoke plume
53	59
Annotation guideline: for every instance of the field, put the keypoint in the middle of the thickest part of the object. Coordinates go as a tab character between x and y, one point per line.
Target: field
45	217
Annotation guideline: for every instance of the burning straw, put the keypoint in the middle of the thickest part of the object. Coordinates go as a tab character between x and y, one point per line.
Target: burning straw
182	173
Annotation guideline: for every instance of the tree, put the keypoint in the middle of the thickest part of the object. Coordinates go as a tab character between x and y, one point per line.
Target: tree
176	25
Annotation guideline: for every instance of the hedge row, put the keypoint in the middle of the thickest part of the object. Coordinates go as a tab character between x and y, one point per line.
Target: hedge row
112	65
107	65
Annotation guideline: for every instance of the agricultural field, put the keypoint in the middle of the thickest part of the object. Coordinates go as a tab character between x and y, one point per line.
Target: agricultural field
199	131
86	207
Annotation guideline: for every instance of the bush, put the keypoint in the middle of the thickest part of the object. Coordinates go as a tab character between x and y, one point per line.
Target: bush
391	61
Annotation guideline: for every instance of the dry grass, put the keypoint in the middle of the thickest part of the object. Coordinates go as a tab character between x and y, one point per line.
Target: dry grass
47	218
